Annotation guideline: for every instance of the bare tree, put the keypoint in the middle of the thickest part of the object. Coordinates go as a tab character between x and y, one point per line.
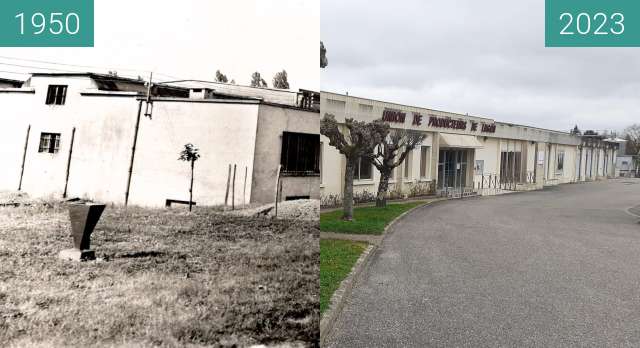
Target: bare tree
190	154
391	152
323	56
220	77
280	80
257	80
359	140
632	135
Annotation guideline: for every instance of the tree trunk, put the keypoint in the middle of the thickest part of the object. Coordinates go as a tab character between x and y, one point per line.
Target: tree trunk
347	199
191	187
383	188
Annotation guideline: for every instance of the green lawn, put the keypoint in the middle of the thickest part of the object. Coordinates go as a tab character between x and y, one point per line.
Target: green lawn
337	257
366	220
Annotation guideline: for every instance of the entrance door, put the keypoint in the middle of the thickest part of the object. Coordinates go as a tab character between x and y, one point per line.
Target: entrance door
452	169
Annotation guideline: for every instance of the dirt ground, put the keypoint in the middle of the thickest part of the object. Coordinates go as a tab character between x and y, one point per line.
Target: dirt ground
169	278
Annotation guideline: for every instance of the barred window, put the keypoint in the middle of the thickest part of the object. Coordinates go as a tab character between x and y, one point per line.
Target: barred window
49	142
300	154
56	95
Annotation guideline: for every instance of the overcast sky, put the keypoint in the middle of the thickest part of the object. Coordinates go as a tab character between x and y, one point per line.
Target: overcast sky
194	38
485	58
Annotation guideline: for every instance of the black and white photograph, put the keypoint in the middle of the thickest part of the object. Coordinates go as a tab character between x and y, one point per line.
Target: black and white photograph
161	188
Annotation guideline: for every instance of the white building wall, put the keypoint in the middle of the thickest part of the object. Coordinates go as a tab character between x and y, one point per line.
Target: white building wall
224	131
272	122
527	138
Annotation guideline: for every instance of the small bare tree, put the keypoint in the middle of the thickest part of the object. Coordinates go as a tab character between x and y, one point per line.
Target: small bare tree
190	154
359	141
391	152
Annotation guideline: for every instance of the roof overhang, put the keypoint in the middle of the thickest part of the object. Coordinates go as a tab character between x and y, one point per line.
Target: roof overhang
459	141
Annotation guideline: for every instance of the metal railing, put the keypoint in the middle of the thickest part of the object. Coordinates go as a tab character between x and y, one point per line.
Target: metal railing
487	183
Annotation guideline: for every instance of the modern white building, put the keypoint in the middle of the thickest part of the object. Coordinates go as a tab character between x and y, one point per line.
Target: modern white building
94	136
463	154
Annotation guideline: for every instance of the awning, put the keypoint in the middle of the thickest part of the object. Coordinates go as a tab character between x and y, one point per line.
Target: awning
459	140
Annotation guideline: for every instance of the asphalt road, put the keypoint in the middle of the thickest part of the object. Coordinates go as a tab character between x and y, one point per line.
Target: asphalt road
552	268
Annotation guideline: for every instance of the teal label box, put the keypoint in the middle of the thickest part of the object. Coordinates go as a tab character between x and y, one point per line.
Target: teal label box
46	23
592	23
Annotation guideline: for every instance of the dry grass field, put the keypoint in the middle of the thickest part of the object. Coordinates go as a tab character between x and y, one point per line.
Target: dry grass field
168	278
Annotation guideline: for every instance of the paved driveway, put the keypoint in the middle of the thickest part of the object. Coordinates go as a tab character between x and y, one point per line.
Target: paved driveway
558	267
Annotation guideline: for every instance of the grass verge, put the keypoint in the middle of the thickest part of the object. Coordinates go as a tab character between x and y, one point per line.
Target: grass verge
337	258
169	278
366	220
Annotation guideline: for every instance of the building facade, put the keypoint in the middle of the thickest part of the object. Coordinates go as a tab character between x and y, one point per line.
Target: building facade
95	136
462	154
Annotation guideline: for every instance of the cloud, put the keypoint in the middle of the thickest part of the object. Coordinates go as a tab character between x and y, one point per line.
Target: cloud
486	58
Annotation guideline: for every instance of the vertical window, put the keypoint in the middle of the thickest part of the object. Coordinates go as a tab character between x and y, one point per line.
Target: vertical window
424	161
49	142
364	169
560	162
56	95
300	154
407	166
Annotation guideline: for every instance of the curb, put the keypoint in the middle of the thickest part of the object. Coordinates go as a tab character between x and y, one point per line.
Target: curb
338	299
630	211
340	296
373	204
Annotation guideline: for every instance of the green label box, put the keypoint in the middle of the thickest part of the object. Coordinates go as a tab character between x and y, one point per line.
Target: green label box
592	23
46	23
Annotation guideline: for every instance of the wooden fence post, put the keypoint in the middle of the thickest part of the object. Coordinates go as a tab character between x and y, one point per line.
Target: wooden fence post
233	191
226	195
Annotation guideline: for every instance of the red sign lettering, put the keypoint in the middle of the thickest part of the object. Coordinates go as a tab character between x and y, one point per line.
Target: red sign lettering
393	116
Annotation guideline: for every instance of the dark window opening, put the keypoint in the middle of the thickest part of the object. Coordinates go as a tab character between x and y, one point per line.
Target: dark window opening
511	169
300	154
56	95
560	162
295	198
49	142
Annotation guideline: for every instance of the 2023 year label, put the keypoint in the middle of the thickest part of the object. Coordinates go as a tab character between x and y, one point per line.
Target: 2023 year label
592	23
46	23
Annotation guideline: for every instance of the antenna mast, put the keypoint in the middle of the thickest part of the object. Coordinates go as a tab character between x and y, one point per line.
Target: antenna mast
149	110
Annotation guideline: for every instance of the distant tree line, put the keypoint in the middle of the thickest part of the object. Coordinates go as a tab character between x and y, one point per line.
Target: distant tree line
280	80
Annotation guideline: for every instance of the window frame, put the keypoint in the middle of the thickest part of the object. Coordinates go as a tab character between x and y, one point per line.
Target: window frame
357	175
407	166
52	141
310	165
56	95
425	158
560	162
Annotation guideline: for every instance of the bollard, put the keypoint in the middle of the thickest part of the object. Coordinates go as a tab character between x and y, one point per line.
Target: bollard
84	218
